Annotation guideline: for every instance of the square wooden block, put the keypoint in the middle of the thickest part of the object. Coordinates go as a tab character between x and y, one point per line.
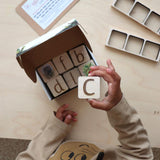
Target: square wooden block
71	77
82	67
79	55
57	86
62	63
88	87
47	71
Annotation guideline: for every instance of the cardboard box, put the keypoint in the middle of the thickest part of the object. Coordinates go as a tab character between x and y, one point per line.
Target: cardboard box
52	44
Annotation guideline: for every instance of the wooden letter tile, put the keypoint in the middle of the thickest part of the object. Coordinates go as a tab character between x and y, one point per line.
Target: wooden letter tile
79	55
57	86
88	87
47	71
62	63
81	67
71	77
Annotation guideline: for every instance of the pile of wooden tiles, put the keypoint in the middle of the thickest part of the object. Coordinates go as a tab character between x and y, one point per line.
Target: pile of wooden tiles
61	73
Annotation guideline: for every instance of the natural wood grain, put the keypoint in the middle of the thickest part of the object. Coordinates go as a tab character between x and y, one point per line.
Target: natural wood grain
24	107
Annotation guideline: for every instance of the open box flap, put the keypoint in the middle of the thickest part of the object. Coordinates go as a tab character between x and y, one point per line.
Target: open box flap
36	56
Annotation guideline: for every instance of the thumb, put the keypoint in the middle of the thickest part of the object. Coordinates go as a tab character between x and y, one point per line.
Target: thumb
97	104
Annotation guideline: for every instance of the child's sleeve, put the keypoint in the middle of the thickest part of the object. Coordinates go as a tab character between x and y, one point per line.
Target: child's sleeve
132	135
46	141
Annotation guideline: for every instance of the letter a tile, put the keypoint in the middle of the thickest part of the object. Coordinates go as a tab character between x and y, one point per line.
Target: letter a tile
57	86
88	87
79	55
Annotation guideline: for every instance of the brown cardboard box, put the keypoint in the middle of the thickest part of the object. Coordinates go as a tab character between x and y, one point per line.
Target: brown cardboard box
48	46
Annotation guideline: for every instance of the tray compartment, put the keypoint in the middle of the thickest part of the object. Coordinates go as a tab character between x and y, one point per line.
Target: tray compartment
117	39
139	12
134	45
153	22
151	50
124	5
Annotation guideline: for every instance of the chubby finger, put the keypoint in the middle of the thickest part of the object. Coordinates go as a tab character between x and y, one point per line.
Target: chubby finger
106	73
103	74
102	68
72	113
62	108
74	119
59	113
97	104
113	74
110	65
68	119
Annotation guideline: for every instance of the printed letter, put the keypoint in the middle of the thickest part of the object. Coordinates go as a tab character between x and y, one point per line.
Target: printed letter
58	88
79	56
84	87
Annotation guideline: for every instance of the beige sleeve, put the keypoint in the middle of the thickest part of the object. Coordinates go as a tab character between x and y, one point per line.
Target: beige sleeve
132	135
46	141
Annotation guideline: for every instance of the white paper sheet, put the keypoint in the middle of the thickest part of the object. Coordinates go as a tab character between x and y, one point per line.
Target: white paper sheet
44	12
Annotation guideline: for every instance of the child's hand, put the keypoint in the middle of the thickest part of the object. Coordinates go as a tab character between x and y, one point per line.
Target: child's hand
114	94
66	116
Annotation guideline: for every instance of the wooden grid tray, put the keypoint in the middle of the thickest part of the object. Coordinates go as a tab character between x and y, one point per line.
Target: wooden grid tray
140	13
134	45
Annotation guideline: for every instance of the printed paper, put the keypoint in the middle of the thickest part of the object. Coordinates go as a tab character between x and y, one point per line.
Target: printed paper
44	12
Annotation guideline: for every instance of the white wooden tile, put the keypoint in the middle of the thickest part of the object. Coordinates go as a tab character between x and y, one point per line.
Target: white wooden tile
81	67
47	71
79	55
71	77
63	63
57	86
88	87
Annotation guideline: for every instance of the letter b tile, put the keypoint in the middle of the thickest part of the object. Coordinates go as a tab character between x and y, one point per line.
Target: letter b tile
88	87
57	86
79	55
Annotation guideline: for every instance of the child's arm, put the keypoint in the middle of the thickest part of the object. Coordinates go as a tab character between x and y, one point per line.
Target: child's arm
50	136
132	136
